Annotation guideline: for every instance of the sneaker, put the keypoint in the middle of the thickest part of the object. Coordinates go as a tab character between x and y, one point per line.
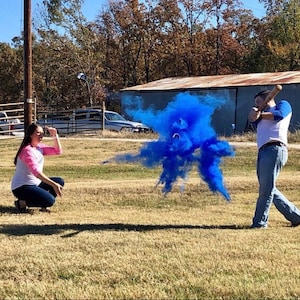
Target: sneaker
45	209
295	225
258	227
20	205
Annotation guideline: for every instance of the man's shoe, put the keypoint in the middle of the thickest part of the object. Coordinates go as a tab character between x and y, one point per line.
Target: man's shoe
258	227
295	225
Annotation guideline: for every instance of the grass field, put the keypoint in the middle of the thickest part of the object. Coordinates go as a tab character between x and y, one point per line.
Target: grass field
114	236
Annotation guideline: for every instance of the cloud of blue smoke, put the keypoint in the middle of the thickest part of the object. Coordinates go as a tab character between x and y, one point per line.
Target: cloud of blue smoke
186	139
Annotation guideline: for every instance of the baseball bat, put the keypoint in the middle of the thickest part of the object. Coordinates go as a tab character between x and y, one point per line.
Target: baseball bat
272	94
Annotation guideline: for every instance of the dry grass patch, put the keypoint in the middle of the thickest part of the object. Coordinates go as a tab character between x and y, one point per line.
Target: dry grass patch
114	236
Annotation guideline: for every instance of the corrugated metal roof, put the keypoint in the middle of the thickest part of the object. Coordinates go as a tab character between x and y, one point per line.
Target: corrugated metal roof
219	81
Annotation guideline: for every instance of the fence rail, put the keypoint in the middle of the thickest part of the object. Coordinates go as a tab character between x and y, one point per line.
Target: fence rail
12	119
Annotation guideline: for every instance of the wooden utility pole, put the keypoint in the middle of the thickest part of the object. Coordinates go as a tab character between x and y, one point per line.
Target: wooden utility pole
27	65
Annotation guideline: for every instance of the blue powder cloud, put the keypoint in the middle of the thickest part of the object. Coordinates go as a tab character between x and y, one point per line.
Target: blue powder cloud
186	139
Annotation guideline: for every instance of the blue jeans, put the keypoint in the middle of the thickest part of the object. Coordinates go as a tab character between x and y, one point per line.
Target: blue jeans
270	161
42	195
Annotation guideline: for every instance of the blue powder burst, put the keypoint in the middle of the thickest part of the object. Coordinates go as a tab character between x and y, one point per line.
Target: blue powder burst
186	139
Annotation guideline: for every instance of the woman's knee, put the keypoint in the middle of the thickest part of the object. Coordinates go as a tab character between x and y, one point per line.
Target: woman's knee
49	201
58	180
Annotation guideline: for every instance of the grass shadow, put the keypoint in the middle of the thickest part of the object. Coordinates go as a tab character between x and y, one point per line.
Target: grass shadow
22	230
8	210
28	229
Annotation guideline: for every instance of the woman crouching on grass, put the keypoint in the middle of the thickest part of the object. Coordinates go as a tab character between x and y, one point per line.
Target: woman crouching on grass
30	185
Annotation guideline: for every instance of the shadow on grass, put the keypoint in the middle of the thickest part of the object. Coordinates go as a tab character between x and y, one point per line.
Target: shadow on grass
27	229
22	230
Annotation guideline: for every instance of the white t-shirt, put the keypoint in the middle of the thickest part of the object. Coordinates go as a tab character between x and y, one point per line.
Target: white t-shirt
30	163
277	129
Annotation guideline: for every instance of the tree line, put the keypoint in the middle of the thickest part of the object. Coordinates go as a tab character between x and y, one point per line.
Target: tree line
133	42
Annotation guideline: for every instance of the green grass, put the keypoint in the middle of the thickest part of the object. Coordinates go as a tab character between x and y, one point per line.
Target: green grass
113	235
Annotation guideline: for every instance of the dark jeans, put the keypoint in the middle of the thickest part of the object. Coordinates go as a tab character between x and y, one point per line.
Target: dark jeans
42	195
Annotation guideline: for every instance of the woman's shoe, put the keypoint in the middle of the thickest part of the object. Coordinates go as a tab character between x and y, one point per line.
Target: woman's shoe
21	206
45	209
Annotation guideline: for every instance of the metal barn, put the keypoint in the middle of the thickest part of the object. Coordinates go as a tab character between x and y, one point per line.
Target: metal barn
240	89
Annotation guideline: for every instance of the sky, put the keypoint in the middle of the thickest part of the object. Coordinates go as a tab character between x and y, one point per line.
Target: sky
11	14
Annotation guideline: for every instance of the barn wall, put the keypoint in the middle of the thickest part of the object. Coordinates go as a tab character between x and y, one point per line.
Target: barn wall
239	101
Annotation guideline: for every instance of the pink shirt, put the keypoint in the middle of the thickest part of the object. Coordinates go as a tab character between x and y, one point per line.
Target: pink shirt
30	164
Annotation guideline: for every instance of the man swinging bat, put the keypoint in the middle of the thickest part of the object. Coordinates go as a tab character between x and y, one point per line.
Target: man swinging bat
272	121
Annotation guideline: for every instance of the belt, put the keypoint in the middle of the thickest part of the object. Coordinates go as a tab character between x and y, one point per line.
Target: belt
277	143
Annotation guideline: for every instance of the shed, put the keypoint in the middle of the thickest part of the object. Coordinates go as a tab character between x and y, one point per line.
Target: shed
232	117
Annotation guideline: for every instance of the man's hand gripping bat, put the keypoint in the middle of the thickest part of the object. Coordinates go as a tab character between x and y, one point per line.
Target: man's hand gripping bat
272	95
255	112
